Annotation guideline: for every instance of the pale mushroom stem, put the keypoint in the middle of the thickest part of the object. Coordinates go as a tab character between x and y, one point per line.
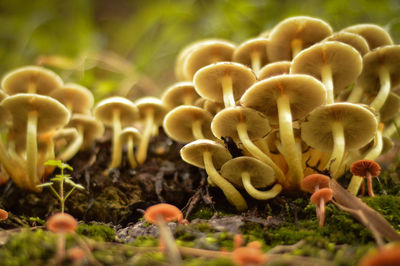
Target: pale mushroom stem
227	91
74	147
31	88
144	143
384	78
356	181
256	152
291	153
255	57
188	99
168	241
116	145
337	154
230	192
326	77
31	148
355	94
369	184
321	212
197	130
297	46
131	153
10	165
258	194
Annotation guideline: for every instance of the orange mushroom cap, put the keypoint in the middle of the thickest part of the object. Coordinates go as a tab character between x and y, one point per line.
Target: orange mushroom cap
62	223
389	256
311	181
168	213
363	167
3	215
249	256
76	253
325	193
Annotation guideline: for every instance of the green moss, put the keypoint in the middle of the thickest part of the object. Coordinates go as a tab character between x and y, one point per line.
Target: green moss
98	232
388	206
205	262
145	241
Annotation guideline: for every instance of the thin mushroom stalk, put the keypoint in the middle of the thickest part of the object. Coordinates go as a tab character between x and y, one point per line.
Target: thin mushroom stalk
296	46
256	152
321	212
227	90
326	77
144	143
31	148
291	154
73	149
116	145
255	57
197	130
227	188
131	153
384	78
167	240
258	194
337	154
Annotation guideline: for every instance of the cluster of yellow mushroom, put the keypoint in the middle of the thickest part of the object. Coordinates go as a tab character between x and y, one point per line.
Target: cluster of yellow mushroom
298	99
41	119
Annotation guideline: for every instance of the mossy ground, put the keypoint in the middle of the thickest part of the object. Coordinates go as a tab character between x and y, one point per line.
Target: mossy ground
285	225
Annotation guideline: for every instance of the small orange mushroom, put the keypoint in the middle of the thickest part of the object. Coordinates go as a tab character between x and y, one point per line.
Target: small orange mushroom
3	215
62	223
164	211
249	256
389	256
76	254
367	169
314	182
319	198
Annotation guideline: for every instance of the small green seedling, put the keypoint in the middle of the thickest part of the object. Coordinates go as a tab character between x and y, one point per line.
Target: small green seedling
61	178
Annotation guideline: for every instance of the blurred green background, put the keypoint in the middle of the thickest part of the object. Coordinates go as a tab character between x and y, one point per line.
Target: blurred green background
128	47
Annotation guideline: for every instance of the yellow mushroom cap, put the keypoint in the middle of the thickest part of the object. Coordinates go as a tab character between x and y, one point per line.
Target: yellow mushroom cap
306	29
206	53
305	94
178	123
208	85
344	61
356	41
103	111
153	103
130	132
51	113
174	95
20	80
225	123
75	96
192	153
358	122
375	35
242	53
274	69
261	174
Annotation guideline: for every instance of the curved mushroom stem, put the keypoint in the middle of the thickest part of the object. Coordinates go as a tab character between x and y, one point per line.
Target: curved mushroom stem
31	148
321	209
256	152
384	78
369	184
362	192
326	77
337	154
297	46
144	143
131	153
258	194
255	58
227	91
116	144
197	130
356	181
355	94
74	147
168	242
291	153
230	192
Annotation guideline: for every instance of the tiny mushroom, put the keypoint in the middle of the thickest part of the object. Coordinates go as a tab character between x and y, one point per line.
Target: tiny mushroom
251	174
62	223
132	137
223	82
75	97
116	112
152	111
384	256
3	215
319	198
249	256
187	123
181	93
211	155
252	53
375	35
367	169
312	183
31	79
357	41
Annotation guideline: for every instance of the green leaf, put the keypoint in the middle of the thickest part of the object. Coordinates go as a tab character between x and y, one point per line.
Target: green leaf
59	179
72	183
59	164
47	184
